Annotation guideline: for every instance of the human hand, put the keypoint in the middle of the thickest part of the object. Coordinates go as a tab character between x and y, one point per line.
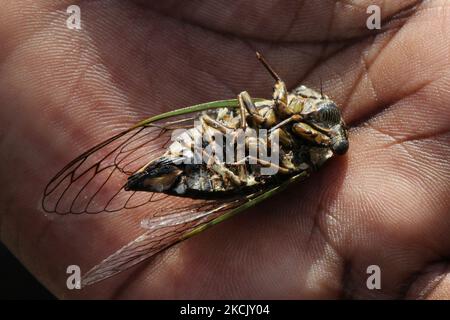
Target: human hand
385	203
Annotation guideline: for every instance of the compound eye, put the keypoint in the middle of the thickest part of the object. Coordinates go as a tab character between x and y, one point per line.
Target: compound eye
328	114
340	147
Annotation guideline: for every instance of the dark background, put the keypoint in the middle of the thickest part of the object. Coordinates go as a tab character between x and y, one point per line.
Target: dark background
16	282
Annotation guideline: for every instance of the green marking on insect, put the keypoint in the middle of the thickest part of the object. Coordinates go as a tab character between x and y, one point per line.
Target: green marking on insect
229	103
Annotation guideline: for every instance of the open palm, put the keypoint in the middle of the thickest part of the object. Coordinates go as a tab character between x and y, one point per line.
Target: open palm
386	203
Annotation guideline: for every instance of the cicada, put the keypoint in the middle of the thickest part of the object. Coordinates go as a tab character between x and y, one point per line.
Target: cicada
155	166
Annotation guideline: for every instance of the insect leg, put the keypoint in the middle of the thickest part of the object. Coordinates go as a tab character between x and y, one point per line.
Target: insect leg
265	163
246	103
284	138
212	162
280	93
242	109
216	124
309	133
219	168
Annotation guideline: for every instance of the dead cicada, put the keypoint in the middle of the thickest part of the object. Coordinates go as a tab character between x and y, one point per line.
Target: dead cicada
179	163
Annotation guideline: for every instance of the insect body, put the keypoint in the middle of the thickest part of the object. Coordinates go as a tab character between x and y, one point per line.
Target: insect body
160	167
309	123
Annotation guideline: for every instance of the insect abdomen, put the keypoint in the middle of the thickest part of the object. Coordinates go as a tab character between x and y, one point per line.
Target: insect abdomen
195	181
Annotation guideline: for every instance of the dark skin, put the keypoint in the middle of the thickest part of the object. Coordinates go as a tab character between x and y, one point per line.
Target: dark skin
385	203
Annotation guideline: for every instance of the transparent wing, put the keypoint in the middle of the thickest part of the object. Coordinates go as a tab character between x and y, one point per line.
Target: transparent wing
162	232
94	181
184	222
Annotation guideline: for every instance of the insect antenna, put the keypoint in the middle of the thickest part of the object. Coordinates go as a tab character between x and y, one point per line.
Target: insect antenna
321	88
267	66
